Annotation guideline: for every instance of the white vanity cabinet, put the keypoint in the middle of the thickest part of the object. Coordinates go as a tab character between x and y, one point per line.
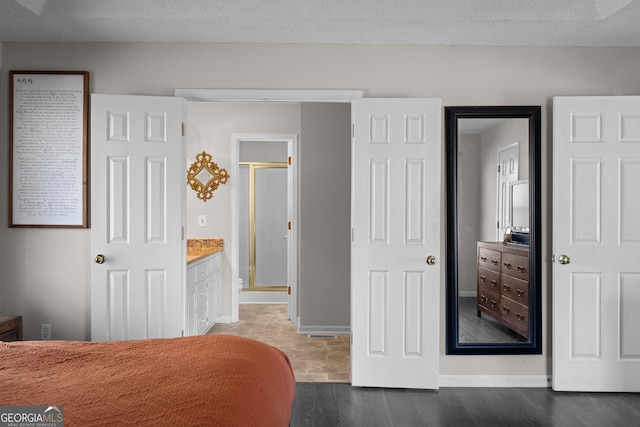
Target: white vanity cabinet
203	288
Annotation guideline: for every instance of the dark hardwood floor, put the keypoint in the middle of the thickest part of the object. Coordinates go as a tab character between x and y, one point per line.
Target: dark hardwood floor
340	404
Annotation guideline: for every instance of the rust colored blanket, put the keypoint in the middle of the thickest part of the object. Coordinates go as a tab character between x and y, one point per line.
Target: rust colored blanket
207	380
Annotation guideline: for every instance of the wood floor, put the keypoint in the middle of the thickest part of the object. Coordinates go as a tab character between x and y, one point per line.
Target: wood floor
313	359
335	405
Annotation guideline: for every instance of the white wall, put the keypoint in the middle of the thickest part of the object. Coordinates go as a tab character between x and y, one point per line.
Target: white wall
45	273
498	137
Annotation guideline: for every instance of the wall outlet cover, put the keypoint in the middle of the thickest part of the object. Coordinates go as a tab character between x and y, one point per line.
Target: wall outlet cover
45	331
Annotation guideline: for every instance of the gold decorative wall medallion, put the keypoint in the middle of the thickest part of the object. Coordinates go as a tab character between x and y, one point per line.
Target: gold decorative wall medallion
205	176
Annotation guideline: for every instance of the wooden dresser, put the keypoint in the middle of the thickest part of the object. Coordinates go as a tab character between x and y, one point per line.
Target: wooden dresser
10	328
503	284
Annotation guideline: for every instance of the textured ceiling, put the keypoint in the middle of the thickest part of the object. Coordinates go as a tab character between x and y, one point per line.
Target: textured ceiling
430	22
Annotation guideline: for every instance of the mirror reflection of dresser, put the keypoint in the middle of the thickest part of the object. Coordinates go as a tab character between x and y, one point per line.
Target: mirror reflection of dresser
503	284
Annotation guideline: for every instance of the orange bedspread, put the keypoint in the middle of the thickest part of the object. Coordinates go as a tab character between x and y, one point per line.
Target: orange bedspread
208	380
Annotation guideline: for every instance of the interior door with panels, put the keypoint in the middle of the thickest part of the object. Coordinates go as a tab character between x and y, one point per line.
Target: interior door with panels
596	232
395	273
137	217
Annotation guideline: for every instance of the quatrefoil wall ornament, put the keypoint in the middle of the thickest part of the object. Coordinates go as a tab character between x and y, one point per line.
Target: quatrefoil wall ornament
205	176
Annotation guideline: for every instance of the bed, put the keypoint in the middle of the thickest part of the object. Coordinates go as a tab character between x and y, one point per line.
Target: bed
209	380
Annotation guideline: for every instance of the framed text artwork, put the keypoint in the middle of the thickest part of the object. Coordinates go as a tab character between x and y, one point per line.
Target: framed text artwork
48	139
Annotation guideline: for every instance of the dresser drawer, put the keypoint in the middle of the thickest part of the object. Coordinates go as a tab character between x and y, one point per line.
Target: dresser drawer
489	300
515	289
517	315
489	280
489	259
515	266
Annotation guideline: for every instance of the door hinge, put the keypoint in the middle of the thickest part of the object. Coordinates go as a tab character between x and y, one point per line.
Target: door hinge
289	290
289	160
182	234
353	130
289	225
182	128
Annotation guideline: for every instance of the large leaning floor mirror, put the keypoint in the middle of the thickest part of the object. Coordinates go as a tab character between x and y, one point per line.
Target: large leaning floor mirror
493	230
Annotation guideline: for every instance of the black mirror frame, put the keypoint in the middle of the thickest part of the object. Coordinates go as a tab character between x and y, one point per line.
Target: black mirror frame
452	114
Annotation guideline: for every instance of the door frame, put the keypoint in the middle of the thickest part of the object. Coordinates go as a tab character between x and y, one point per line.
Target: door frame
262	95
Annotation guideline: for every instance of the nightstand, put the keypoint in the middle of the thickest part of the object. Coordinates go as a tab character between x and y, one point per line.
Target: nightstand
10	328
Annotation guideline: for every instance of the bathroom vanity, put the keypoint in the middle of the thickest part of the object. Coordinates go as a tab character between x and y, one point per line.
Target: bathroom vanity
204	263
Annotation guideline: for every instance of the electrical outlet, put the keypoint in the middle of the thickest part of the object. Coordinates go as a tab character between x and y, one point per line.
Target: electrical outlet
202	220
45	331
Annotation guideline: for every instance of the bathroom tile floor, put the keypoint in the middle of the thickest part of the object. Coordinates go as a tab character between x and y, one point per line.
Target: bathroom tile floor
313	359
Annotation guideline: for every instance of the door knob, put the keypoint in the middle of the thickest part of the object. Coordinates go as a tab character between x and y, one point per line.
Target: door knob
431	260
99	259
563	259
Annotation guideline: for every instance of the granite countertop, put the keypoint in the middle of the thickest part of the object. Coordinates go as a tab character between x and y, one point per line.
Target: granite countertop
200	248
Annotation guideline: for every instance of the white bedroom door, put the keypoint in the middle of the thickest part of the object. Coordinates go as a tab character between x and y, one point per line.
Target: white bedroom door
137	217
596	239
395	250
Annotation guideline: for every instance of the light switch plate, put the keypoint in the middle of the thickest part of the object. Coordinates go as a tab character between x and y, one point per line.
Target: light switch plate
202	220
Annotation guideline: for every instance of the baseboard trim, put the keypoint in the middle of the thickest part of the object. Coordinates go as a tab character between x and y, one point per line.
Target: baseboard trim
529	381
223	319
316	329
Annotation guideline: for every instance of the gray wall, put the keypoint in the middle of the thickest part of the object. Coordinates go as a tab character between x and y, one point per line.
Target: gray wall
325	219
45	273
